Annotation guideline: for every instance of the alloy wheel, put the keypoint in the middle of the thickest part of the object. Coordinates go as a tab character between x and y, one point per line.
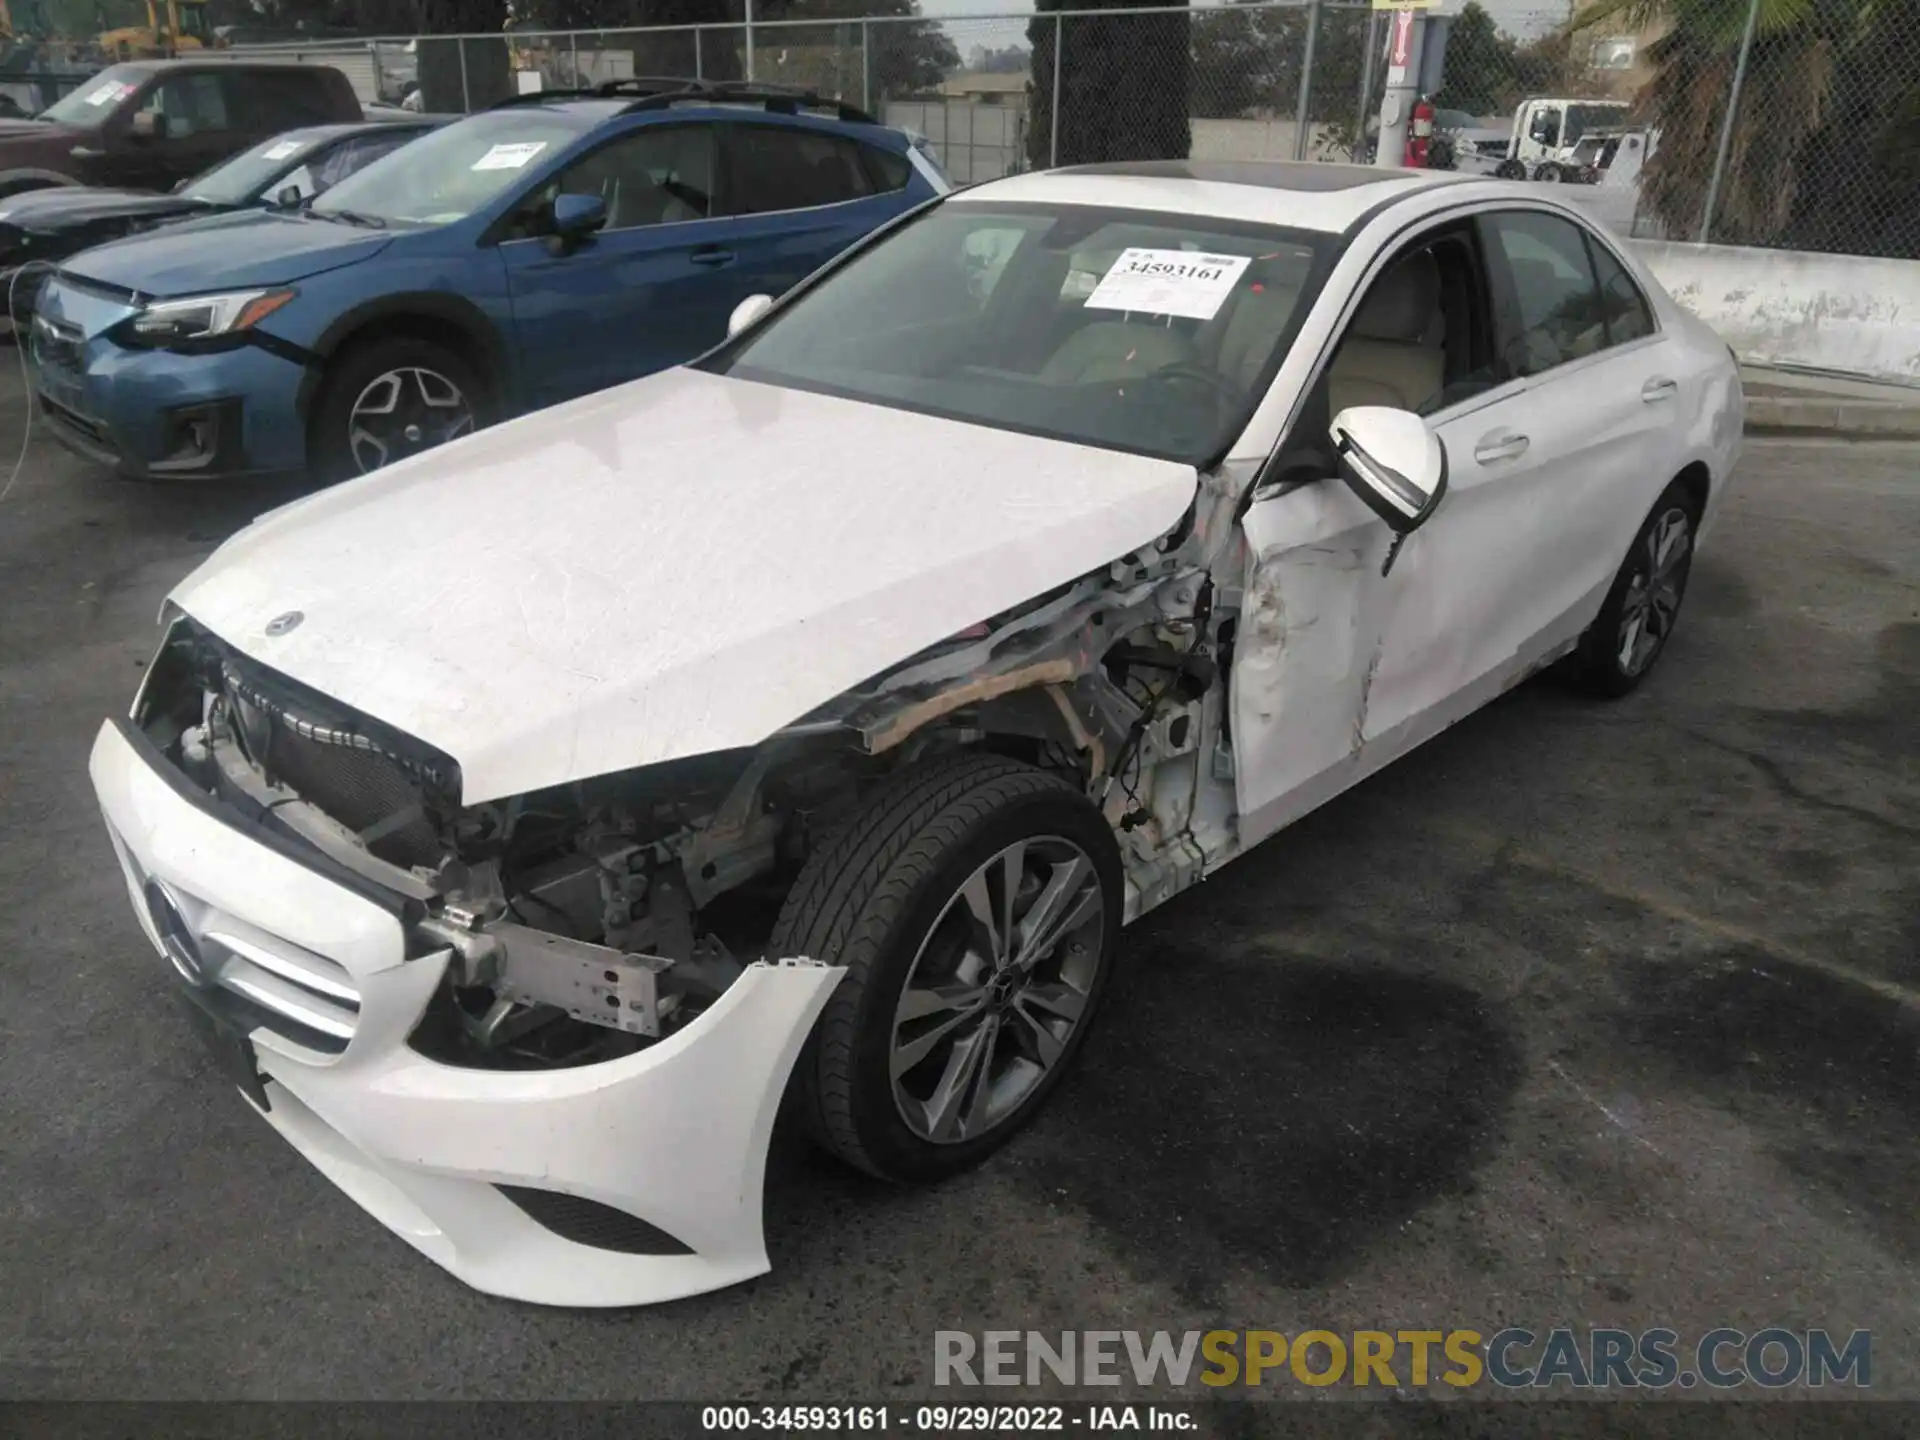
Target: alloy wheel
1652	600
998	987
403	412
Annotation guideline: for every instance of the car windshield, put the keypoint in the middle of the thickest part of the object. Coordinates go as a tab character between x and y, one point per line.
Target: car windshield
236	181
1149	333
446	176
94	101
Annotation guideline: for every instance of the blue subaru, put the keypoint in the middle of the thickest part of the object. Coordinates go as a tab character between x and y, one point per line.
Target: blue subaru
553	245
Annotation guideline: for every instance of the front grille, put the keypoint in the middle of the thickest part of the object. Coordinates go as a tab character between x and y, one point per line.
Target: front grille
364	790
588	1222
335	766
248	976
87	429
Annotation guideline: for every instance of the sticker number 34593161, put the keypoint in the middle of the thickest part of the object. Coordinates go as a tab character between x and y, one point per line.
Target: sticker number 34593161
1168	282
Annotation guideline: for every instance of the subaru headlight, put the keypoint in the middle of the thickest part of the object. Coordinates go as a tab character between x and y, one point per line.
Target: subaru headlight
166	323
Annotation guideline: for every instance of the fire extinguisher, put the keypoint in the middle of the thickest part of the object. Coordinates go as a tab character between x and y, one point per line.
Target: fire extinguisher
1420	136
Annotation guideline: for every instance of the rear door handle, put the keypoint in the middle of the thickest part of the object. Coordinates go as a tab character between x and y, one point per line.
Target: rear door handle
1498	446
711	255
1658	389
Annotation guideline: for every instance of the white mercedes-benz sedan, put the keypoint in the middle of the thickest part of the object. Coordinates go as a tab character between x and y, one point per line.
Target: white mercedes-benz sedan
524	822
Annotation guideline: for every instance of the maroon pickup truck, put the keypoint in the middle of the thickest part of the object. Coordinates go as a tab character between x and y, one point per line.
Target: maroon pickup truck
151	124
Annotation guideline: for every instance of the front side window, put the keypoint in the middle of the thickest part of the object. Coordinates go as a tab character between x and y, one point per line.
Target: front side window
1546	127
192	104
1155	334
778	168
660	175
248	174
1556	313
446	176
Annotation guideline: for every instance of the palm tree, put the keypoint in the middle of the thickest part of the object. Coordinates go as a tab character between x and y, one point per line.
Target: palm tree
1783	102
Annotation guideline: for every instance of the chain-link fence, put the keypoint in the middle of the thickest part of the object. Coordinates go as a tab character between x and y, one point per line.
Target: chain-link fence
1740	121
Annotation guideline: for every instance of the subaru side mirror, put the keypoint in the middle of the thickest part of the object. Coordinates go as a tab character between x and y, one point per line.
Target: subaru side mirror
575	217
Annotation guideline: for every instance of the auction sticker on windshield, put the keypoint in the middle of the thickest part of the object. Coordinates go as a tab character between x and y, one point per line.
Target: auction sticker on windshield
108	93
282	150
509	157
1168	282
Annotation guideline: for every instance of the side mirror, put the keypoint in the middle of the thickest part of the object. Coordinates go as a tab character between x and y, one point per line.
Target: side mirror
746	312
289	197
1394	464
575	217
148	125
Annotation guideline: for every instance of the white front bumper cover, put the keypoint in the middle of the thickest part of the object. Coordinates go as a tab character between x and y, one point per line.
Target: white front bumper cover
675	1135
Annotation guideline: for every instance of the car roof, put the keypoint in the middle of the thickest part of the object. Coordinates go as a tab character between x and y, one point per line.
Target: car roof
316	134
161	67
1300	194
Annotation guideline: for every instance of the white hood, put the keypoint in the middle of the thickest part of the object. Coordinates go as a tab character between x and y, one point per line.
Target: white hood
677	566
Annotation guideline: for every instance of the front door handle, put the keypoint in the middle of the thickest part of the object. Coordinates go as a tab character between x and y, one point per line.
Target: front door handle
1658	389
1500	446
711	255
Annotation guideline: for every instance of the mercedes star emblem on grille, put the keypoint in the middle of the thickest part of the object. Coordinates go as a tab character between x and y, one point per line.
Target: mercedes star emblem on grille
281	624
176	936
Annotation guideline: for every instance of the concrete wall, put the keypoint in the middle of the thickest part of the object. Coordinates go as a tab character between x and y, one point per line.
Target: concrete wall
1783	307
1253	140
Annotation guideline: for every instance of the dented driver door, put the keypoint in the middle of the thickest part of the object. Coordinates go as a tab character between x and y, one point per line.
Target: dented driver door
1309	626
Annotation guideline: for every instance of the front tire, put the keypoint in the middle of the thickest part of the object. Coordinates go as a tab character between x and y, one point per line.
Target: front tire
390	398
976	903
1637	618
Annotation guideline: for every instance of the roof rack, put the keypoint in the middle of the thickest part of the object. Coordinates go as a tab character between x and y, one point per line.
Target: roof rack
536	97
608	89
661	92
655	94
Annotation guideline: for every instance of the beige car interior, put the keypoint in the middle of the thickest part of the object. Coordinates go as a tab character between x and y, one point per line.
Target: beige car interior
1394	352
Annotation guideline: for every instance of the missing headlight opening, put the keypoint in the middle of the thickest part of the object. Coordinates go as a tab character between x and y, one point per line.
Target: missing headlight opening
593	919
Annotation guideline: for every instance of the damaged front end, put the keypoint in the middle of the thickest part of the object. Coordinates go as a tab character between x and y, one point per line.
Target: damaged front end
544	1037
583	923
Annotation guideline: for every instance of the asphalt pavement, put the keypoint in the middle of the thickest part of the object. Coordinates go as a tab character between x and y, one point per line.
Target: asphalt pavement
1583	1014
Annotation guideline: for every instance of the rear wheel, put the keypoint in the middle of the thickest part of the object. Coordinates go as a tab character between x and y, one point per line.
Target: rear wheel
1509	170
976	903
1548	174
388	399
1631	632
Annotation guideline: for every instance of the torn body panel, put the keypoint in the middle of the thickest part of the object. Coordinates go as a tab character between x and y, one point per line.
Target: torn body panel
654	1159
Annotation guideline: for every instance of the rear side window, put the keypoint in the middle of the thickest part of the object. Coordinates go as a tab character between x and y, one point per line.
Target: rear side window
889	171
1627	314
1554	315
287	99
791	169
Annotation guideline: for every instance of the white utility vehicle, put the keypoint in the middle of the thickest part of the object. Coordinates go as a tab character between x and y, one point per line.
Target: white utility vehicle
1545	132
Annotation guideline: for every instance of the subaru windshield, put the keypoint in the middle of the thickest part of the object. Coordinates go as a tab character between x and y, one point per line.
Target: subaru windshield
449	174
1150	333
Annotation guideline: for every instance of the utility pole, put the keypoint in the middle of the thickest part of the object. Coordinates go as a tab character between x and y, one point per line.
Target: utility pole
1403	86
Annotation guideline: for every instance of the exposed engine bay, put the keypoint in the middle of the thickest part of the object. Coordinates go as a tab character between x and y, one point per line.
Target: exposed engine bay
590	920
